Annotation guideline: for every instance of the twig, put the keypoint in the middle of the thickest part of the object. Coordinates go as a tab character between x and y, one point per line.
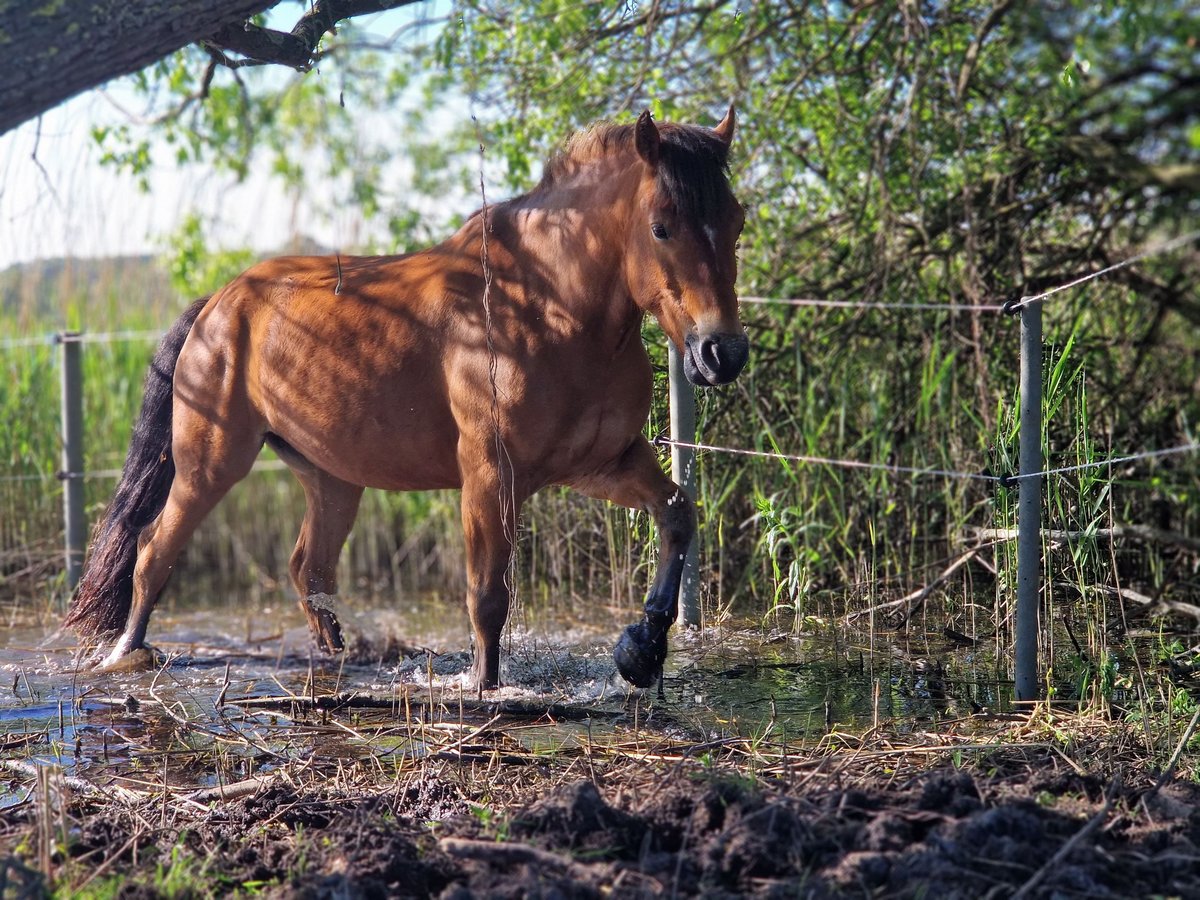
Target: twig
352	700
112	858
1137	532
234	791
108	792
917	597
1179	748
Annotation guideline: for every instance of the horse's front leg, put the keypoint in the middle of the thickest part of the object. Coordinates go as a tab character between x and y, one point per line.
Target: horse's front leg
636	480
489	511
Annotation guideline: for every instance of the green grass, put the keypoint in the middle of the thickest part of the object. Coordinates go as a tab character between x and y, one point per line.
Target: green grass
778	540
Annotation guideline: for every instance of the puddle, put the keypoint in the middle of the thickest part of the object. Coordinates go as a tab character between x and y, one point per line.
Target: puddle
225	662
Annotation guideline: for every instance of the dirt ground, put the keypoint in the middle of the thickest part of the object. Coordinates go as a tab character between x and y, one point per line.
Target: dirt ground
1052	809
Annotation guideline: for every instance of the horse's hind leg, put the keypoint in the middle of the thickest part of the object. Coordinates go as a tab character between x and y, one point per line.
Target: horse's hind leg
332	508
489	511
637	480
209	460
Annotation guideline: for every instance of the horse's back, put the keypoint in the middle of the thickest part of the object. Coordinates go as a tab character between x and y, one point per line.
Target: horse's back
341	357
389	372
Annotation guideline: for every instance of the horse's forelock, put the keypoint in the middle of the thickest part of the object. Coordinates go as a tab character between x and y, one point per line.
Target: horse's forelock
694	172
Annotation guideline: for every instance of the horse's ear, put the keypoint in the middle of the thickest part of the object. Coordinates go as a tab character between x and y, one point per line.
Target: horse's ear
724	129
647	138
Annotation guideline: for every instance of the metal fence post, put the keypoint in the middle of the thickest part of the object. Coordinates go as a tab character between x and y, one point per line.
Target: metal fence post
683	471
75	527
1029	507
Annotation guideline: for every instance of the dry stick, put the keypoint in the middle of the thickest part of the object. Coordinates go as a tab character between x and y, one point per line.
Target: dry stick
104	866
234	791
1076	839
110	792
1138	532
1170	770
220	701
917	597
1161	605
353	700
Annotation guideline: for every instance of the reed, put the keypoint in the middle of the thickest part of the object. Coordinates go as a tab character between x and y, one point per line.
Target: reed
782	542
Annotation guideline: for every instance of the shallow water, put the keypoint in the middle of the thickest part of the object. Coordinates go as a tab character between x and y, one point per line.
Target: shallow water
736	679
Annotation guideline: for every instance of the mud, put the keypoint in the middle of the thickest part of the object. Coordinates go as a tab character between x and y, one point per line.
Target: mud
382	776
653	822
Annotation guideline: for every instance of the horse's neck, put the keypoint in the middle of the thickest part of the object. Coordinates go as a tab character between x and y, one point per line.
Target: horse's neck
566	245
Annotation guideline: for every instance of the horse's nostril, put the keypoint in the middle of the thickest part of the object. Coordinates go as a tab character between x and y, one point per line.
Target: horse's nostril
716	358
710	353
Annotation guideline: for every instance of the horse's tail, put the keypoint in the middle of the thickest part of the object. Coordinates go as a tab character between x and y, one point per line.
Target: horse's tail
105	593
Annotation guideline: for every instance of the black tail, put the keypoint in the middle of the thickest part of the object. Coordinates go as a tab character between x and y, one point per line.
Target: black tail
102	601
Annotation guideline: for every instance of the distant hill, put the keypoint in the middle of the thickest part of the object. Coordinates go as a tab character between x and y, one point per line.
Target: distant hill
44	289
114	287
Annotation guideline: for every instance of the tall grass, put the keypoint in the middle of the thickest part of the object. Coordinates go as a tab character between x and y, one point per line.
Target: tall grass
790	544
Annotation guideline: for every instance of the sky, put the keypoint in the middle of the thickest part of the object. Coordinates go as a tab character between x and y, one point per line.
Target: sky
56	199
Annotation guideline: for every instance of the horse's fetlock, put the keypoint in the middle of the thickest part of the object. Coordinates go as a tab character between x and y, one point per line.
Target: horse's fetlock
322	601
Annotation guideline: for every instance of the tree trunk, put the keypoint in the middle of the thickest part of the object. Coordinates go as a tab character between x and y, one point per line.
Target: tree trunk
55	49
51	50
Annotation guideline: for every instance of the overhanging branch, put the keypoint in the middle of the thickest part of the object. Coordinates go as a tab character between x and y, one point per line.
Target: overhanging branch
54	51
298	47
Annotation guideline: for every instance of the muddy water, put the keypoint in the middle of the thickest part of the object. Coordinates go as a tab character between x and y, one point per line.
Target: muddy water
740	678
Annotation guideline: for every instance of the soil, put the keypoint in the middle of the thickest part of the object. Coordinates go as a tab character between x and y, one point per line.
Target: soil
1014	817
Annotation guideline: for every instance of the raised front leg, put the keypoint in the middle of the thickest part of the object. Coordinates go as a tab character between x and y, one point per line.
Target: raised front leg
489	511
636	480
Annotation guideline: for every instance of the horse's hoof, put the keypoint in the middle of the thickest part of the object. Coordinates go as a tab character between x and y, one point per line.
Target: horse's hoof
482	682
639	656
141	659
321	612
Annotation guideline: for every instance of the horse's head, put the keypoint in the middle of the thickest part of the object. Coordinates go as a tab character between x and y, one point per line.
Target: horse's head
681	256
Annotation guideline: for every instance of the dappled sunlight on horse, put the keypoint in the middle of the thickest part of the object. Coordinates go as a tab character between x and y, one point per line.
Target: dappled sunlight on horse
503	360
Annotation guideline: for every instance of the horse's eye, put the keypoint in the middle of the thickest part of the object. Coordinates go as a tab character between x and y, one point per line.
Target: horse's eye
659	230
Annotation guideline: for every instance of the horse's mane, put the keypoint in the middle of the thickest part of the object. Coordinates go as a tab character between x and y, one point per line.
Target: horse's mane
693	169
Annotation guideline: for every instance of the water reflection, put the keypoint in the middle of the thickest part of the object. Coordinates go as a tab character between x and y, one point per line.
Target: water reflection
194	721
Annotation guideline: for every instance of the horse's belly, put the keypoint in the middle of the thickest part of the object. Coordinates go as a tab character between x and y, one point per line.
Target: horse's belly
405	464
399	441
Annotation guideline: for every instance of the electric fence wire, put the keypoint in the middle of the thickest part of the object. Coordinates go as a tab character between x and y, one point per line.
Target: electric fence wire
69	337
856	304
1156	250
1164	247
262	465
916	471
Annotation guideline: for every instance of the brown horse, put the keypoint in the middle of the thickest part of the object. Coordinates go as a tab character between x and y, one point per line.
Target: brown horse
503	360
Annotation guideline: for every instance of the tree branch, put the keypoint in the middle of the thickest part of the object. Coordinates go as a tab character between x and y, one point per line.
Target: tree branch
57	50
298	47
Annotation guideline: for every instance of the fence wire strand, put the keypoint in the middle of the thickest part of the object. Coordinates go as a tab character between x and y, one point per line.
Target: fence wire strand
1111	461
100	337
856	304
262	465
837	463
1156	250
931	473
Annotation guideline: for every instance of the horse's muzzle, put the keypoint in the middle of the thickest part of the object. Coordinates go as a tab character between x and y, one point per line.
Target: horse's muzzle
714	359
